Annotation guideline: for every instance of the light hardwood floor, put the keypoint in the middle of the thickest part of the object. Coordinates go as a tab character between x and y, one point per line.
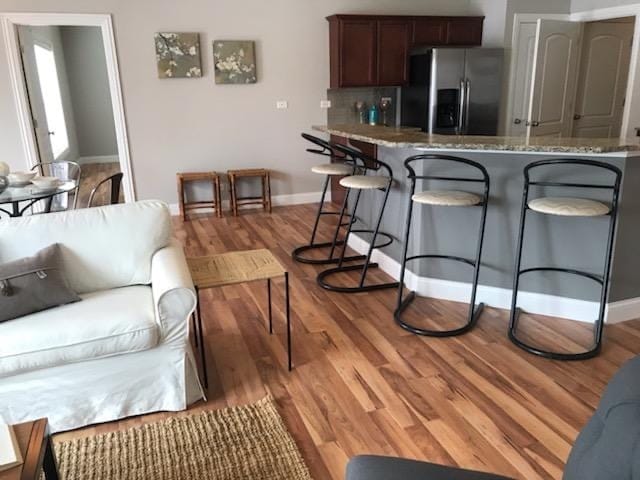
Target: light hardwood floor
92	174
361	384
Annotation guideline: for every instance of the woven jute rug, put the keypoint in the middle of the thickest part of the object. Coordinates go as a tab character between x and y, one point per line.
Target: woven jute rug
246	442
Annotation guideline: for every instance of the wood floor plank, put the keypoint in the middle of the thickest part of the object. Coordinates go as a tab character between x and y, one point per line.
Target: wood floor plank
361	384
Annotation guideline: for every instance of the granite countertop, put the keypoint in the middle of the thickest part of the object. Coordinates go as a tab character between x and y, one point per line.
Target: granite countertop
404	137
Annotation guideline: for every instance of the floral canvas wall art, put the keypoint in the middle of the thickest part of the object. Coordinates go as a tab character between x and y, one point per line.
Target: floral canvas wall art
178	55
234	61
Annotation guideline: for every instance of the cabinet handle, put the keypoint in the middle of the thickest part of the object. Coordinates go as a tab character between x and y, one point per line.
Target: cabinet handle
577	116
517	121
535	123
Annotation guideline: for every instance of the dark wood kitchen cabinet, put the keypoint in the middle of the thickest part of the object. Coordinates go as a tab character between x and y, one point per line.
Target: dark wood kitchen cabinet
464	31
394	39
373	50
354	52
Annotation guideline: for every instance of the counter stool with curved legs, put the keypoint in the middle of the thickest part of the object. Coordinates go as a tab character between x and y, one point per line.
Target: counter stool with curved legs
329	170
443	198
360	183
567	207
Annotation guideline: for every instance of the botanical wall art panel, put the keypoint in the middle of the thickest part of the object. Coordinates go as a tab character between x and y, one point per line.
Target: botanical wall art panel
178	55
234	61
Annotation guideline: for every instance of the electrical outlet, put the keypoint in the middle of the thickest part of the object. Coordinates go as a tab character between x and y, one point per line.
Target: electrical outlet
282	104
325	103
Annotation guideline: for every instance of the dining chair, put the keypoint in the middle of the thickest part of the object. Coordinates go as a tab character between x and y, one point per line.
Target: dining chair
115	181
66	171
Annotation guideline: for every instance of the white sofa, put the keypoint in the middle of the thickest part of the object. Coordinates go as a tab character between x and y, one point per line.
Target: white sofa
123	349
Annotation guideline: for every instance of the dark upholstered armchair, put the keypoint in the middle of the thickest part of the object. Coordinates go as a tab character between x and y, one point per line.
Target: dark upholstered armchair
608	448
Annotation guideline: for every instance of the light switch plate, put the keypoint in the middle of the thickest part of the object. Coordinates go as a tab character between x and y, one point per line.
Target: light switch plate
325	103
282	104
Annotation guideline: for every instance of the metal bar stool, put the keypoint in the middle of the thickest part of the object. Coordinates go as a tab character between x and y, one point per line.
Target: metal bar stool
361	182
568	207
348	167
444	198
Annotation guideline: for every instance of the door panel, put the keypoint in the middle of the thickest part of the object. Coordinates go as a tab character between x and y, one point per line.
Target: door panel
483	74
554	78
465	31
393	52
429	31
357	53
521	93
602	81
447	73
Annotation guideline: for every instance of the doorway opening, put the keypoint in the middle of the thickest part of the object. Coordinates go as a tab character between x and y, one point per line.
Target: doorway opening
67	89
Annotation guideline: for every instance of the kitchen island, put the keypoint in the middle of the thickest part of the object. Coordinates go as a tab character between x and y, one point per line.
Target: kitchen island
550	240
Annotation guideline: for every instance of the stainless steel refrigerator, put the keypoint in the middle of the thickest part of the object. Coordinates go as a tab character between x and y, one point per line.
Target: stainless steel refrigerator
453	91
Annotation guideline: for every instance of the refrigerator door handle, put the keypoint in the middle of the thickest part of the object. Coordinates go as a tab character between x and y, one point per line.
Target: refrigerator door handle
467	92
461	107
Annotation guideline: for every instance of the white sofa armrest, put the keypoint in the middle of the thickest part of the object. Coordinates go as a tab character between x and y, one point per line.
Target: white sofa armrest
173	292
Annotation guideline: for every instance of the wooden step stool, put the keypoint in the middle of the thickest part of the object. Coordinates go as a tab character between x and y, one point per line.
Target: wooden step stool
215	203
264	200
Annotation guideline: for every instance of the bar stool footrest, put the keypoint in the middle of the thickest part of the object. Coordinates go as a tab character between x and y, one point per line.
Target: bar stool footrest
397	315
321	279
297	254
389	238
540	352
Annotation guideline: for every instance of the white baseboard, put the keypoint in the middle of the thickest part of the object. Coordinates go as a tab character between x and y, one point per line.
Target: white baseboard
99	159
276	200
538	303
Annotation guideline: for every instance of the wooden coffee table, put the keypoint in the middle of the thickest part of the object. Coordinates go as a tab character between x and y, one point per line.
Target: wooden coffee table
37	453
232	268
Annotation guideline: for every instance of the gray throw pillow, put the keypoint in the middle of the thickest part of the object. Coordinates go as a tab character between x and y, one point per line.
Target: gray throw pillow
33	284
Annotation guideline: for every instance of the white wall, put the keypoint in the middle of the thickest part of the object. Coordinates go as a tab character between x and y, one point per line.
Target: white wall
192	124
582	5
89	86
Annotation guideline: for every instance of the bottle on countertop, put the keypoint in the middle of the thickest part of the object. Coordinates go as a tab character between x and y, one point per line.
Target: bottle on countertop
373	115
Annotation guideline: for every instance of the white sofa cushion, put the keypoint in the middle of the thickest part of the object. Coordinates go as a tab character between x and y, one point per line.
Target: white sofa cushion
102	248
105	323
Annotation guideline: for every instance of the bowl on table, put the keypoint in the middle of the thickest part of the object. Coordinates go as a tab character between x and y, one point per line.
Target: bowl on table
4	183
20	179
46	183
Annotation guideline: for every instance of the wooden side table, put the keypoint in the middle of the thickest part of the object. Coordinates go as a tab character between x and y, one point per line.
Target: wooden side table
37	452
237	267
215	203
264	199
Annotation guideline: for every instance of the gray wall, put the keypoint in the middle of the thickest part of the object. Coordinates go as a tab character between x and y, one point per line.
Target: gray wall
89	86
559	241
192	124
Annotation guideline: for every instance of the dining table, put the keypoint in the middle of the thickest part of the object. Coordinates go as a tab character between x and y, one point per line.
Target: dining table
20	198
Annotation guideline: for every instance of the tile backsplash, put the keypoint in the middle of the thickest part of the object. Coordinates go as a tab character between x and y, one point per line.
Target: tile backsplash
343	100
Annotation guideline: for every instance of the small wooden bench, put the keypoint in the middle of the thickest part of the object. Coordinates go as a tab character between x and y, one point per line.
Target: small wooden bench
264	199
215	203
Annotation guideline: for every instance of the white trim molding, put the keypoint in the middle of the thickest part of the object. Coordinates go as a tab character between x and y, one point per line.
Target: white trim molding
537	303
276	200
10	22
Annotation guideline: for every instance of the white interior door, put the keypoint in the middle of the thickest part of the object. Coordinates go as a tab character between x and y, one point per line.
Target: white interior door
48	91
602	81
554	78
521	92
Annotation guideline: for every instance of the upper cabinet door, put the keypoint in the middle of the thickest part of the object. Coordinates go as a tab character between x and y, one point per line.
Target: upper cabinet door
555	71
394	37
358	59
429	31
464	31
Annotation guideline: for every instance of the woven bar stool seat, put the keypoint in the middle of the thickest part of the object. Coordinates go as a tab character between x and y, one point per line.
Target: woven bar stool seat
569	207
363	182
333	169
447	198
